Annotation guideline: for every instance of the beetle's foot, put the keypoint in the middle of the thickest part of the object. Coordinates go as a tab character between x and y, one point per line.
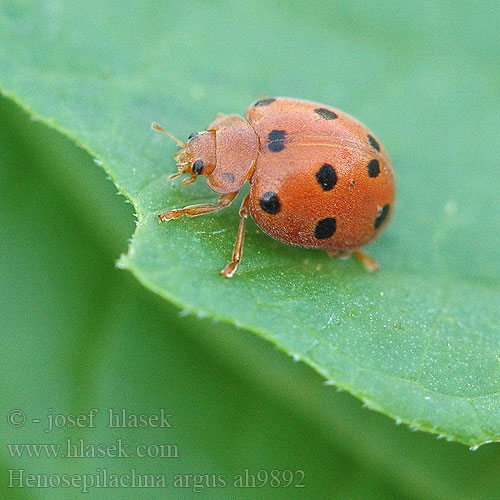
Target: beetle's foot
229	270
170	214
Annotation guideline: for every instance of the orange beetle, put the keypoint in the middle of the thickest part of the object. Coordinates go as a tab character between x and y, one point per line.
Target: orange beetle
318	177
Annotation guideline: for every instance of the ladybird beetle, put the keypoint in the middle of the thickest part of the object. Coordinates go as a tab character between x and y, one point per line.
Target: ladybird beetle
318	177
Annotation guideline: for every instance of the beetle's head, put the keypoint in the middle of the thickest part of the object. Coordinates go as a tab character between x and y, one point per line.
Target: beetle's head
195	157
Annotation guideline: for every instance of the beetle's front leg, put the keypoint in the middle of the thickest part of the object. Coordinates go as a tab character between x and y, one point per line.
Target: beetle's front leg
224	201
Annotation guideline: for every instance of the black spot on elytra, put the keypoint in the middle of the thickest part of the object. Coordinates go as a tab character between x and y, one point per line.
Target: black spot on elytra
265	102
276	140
326	114
373	142
327	177
276	147
270	203
325	228
373	168
382	215
192	134
197	167
276	135
228	176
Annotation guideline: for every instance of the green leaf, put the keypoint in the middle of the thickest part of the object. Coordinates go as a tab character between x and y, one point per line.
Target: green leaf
420	341
89	336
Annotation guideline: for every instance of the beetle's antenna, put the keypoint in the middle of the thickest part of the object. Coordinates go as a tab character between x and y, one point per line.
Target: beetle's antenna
155	126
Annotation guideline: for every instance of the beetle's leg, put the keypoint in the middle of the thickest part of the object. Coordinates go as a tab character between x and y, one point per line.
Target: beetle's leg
369	263
224	201
229	270
340	254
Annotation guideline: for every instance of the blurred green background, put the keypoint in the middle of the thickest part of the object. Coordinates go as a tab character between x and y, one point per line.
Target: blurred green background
77	333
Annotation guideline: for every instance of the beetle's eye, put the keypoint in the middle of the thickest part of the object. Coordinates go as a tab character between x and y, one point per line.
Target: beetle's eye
197	167
192	134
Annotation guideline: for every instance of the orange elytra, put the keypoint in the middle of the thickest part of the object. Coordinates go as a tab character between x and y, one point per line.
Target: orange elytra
318	177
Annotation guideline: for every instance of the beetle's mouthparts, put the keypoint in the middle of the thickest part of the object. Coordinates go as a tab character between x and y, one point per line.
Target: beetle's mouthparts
184	163
174	176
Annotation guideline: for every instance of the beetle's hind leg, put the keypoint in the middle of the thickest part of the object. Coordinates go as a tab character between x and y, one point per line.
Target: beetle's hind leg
338	254
369	263
224	201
